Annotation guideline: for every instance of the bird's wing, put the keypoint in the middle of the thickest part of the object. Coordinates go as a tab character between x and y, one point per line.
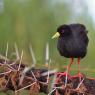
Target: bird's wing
80	30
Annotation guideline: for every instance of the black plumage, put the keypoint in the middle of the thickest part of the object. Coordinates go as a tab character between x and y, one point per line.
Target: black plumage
73	40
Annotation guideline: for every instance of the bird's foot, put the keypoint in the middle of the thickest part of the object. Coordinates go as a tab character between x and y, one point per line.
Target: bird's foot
79	75
59	75
63	74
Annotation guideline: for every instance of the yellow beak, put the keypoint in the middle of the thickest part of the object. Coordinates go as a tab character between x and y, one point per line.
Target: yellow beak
56	35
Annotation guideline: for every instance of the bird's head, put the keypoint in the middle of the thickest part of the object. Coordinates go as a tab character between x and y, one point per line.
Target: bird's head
63	30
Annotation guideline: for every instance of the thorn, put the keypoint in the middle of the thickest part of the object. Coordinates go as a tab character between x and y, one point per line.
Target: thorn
5	73
20	60
50	72
48	77
32	55
6	57
25	87
7	82
52	91
47	54
14	62
10	67
55	88
3	57
6	52
52	83
80	84
16	50
66	77
23	75
34	76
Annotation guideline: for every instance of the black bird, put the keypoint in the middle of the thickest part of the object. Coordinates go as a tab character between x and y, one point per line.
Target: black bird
72	42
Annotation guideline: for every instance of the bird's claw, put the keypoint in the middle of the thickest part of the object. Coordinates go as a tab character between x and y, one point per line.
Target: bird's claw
79	75
63	74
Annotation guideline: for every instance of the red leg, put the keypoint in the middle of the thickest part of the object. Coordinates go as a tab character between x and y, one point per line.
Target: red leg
79	74
71	62
60	74
68	69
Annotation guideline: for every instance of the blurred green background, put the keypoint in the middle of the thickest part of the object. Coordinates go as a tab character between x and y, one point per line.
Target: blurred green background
35	21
